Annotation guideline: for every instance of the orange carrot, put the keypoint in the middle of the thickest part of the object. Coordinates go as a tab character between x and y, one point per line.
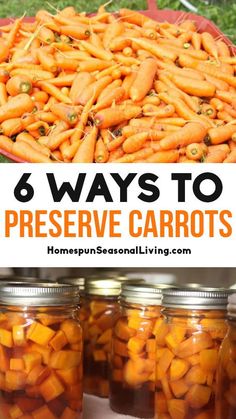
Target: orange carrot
191	132
169	156
55	140
4	75
18	105
85	153
194	87
77	32
54	91
155	49
11	127
142	154
231	158
196	151
66	113
101	153
46	60
221	134
161	112
3	94
143	82
18	84
115	96
209	44
97	52
115	143
114	116
94	89
216	156
28	153
6	143
80	82
135	142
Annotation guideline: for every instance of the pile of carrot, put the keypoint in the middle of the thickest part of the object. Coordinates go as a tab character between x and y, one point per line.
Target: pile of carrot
115	88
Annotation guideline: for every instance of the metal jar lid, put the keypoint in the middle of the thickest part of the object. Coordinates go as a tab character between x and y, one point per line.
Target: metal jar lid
41	294
231	307
200	298
21	278
142	292
73	280
103	287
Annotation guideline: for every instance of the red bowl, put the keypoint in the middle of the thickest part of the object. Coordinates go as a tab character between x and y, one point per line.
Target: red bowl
172	16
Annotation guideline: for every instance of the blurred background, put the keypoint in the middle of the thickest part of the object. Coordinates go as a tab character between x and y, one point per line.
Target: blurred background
217	277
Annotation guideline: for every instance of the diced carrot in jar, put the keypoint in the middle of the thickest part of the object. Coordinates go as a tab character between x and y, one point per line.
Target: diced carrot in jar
43	413
136	344
40	334
17	364
151	345
97	307
166	388
178	369
161	403
51	388
134	375
15	412
198	396
177	408
123	331
18	335
43	351
179	388
31	360
105	337
195	376
209	359
160	330
58	341
72	330
120	348
6	338
99	355
65	359
196	343
37	375
68	414
15	380
4	359
164	363
69	376
117	375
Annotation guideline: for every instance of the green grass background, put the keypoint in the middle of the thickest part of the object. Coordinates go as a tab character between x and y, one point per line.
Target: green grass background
223	13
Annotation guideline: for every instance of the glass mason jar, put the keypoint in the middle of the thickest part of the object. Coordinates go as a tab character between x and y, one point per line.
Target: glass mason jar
133	356
188	342
40	352
226	377
100	310
73	280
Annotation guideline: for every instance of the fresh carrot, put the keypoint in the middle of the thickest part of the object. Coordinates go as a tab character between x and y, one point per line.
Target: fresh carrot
11	127
94	90
190	133
3	94
16	107
4	75
231	158
196	40
101	154
18	84
55	140
160	112
85	153
77	32
6	143
111	32
27	152
144	80
114	96
80	82
220	135
144	153
135	142
209	44
216	156
97	52
66	113
54	91
194	87
46	60
114	116
155	49
169	156
196	151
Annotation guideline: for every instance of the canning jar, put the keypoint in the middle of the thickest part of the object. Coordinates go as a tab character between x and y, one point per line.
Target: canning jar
226	377
73	280
100	310
40	352
188	342
133	357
